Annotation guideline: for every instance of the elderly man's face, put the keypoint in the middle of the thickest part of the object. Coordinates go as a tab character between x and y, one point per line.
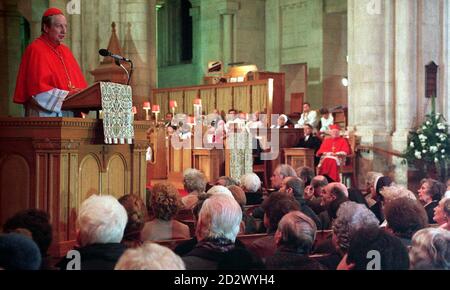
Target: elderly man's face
56	32
327	196
334	133
276	179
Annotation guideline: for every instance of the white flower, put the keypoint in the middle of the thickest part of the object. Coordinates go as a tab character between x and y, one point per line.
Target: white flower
423	137
438	134
441	126
424	127
443	151
418	155
428	123
436	160
443	156
424	151
411	144
433	149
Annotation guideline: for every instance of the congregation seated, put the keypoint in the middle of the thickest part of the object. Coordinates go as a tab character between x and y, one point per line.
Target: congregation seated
102	221
226	181
251	184
405	217
332	196
430	193
294	239
248	224
281	172
36	223
332	153
391	193
376	182
442	214
194	182
150	256
350	218
306	174
217	227
275	207
137	216
430	250
19	252
313	193
166	204
294	187
391	253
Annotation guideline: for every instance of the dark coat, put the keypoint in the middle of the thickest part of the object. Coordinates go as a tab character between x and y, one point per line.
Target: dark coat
97	256
286	259
312	143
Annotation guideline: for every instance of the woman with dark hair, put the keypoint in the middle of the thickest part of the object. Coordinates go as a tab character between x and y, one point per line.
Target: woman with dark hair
375	249
375	193
137	216
430	193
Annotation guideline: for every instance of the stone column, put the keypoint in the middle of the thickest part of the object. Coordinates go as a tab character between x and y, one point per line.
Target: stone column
141	15
406	79
227	12
370	67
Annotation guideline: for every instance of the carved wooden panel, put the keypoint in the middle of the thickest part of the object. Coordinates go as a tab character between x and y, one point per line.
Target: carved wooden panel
89	177
14	186
116	177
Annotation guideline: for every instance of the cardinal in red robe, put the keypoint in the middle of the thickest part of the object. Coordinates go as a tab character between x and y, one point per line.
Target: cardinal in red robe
332	152
48	72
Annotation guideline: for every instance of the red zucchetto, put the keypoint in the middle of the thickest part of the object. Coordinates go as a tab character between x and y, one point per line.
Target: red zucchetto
52	11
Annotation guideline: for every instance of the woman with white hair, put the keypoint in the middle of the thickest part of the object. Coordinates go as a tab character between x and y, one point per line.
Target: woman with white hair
194	182
430	250
217	227
442	214
101	220
251	184
150	256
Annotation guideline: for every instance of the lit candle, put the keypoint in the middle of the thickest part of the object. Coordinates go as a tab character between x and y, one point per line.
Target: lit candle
197	102
173	104
155	109
146	107
270	88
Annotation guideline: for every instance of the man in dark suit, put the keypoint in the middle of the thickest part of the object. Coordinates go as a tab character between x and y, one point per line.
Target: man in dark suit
310	141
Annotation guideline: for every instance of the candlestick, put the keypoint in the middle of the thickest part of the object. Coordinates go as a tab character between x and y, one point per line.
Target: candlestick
146	107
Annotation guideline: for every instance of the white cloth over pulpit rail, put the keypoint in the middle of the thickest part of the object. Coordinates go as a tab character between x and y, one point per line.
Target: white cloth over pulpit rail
117	104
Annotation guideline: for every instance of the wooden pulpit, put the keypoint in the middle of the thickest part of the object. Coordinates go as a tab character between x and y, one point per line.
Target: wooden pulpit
54	164
210	161
297	157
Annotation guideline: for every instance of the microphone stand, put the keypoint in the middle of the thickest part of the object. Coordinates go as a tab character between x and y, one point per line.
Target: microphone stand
126	71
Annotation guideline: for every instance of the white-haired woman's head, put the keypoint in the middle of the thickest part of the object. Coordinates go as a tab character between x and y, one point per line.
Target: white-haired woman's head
150	256
430	250
220	217
219	189
250	182
102	219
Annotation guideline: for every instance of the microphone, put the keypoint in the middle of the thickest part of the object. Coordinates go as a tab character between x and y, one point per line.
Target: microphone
105	52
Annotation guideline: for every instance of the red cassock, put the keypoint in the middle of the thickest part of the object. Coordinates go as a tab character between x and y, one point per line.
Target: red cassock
46	66
329	165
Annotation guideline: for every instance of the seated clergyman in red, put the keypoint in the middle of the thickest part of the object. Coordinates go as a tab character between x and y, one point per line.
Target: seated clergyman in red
48	72
333	152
